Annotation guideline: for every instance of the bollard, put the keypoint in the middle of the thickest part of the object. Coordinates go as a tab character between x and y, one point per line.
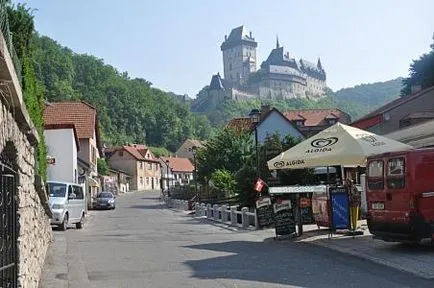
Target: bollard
216	212
208	211
245	217
224	213
202	209
185	205
197	209
234	216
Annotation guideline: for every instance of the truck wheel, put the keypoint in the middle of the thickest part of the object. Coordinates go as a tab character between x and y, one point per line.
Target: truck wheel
64	225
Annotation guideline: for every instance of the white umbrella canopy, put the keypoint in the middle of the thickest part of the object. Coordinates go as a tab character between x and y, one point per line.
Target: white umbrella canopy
337	145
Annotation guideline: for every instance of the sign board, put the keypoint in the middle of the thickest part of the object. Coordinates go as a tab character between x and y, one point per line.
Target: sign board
298	189
264	212
51	160
339	208
284	218
306	210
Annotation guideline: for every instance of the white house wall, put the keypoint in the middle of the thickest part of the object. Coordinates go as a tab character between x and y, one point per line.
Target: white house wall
62	146
276	123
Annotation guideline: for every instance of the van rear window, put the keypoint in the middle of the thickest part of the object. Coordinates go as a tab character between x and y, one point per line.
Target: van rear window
375	175
375	168
395	173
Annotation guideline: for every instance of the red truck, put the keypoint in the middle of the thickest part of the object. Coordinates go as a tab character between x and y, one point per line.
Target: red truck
400	195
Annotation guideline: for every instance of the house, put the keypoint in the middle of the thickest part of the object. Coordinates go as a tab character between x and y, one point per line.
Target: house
139	163
85	120
312	121
399	113
117	181
185	150
62	148
419	135
176	171
272	121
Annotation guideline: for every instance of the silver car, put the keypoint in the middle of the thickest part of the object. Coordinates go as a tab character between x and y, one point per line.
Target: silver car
105	200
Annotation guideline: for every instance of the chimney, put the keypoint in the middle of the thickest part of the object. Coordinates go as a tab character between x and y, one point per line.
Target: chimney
250	34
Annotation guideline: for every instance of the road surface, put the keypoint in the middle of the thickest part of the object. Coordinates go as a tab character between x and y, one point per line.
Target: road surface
144	244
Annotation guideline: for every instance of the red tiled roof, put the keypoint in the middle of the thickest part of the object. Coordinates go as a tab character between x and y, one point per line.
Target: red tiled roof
139	152
317	117
179	164
240	124
79	113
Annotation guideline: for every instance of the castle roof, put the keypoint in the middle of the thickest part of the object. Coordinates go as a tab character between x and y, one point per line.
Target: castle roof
312	70
239	35
279	58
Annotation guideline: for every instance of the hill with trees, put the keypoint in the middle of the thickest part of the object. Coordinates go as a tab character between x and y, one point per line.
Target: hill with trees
130	109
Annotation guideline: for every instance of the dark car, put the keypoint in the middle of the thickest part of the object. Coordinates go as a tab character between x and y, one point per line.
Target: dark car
105	200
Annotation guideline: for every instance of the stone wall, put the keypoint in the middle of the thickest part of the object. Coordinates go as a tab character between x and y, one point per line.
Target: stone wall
34	227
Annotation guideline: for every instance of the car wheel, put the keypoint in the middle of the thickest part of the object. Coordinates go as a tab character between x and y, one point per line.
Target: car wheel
64	225
80	224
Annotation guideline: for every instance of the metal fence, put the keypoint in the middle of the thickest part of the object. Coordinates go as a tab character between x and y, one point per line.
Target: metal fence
7	35
8	225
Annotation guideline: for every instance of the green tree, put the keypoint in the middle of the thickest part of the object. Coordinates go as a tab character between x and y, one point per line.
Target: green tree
224	183
103	167
421	72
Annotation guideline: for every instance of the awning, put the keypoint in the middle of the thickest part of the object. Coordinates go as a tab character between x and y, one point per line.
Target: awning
337	145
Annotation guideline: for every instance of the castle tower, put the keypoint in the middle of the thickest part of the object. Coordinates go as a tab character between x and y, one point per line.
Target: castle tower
239	56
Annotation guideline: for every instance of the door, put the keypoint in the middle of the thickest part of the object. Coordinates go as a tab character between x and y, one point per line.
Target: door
375	186
8	225
76	205
398	196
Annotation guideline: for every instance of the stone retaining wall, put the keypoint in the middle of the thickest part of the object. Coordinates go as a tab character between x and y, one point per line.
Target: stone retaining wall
33	211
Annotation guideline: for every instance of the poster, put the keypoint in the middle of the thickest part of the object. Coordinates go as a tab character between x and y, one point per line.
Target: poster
284	217
340	208
264	212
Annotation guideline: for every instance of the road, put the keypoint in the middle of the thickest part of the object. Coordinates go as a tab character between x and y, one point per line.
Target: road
144	244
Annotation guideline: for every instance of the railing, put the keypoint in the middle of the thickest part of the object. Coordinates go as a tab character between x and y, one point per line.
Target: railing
7	35
230	215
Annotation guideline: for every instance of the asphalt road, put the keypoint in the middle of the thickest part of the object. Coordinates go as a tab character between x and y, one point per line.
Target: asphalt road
144	244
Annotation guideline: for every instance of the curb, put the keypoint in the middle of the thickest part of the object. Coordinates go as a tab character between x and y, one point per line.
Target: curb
357	254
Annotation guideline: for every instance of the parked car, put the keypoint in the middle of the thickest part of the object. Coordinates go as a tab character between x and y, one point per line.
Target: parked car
67	203
105	200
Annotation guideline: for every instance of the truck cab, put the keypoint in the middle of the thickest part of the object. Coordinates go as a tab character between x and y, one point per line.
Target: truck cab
400	195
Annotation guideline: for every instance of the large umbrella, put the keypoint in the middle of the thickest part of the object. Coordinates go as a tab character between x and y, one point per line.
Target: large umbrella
337	145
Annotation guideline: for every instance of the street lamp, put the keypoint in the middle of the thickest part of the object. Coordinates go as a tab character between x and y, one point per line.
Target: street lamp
167	176
194	152
255	118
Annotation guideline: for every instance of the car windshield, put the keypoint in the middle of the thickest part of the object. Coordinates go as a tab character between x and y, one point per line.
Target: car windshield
105	195
56	190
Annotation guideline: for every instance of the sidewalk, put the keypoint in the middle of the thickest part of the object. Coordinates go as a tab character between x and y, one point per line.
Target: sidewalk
416	260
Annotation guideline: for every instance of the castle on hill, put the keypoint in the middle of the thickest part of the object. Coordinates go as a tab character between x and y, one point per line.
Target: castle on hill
280	77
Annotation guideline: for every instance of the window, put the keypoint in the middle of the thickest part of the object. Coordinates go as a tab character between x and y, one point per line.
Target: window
300	123
147	180
141	180
121	153
78	191
395	173
141	165
149	166
156	167
332	121
375	175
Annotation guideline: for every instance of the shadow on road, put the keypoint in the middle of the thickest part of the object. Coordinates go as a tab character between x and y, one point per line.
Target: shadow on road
296	264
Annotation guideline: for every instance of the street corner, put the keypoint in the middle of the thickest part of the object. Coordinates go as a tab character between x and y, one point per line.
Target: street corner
417	259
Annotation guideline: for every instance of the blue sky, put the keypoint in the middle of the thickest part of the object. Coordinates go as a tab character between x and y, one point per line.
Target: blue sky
175	44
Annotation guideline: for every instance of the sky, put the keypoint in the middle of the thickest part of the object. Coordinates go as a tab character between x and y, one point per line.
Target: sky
175	44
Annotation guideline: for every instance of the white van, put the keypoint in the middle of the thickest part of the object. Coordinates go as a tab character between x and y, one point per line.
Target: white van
67	203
